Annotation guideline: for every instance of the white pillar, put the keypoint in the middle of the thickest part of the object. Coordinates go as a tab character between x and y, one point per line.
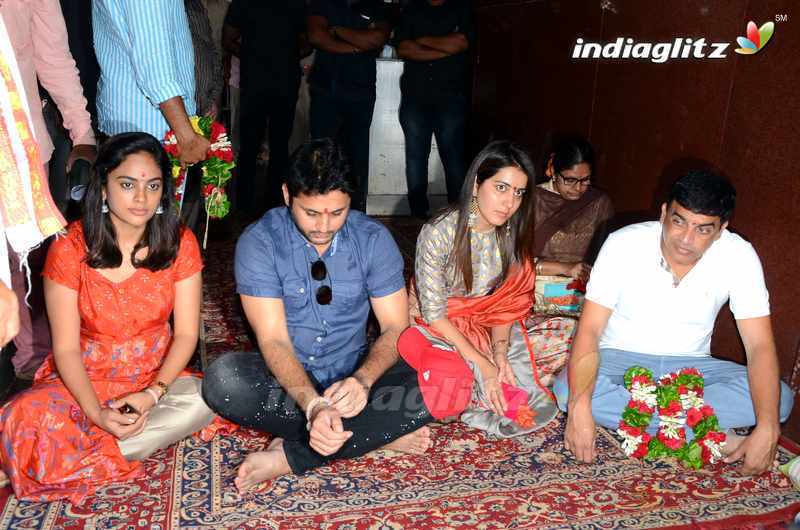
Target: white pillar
387	163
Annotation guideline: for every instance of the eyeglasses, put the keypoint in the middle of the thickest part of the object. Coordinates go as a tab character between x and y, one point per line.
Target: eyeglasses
319	272
573	182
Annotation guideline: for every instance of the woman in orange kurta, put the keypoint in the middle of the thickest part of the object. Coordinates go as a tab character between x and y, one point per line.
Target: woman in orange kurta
110	392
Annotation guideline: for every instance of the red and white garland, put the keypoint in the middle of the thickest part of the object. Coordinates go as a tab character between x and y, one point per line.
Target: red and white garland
216	168
678	396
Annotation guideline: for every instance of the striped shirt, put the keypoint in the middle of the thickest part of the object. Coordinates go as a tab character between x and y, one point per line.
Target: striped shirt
145	53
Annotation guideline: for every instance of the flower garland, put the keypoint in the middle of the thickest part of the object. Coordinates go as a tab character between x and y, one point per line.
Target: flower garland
679	400
216	167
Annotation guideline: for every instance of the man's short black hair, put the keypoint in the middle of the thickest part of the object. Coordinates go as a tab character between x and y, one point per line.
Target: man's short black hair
318	167
705	193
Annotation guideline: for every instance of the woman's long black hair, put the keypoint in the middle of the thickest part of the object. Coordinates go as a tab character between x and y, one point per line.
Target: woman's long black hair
497	155
162	233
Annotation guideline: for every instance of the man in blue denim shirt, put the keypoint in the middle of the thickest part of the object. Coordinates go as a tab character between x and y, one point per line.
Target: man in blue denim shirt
308	276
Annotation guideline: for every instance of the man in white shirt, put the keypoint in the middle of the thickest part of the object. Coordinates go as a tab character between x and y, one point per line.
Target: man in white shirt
652	300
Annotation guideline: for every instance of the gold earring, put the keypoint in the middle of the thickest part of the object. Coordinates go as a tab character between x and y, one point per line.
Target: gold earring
473	212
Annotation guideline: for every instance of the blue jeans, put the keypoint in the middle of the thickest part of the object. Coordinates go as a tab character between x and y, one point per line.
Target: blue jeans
348	122
727	388
446	119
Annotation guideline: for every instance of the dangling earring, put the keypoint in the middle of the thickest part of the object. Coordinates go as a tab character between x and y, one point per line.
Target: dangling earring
104	208
508	228
159	210
473	212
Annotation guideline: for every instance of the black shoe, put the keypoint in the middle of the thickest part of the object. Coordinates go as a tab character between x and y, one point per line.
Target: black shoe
422	216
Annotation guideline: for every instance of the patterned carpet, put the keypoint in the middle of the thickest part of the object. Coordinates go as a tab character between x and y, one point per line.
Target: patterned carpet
465	481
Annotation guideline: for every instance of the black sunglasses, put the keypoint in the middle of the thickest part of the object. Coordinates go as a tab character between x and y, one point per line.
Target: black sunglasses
319	272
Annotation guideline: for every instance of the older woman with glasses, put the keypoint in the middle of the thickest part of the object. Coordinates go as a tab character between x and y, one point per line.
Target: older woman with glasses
570	218
570	215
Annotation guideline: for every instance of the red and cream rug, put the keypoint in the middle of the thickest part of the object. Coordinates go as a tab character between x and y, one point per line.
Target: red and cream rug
465	481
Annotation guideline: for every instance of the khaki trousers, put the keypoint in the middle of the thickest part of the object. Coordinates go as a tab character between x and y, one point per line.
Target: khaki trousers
180	413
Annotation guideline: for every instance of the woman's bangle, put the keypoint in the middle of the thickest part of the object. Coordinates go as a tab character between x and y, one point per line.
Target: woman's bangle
310	408
163	387
153	395
501	341
539	267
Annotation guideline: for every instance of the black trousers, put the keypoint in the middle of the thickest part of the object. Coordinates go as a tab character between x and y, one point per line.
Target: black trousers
262	100
239	387
193	210
446	119
347	122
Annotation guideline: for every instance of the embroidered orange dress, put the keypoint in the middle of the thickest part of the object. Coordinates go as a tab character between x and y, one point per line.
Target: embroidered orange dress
48	447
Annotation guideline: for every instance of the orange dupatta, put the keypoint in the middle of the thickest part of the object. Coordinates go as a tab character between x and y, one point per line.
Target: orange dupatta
474	315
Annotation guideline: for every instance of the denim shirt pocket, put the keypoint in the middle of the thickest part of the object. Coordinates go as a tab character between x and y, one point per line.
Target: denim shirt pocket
348	294
295	294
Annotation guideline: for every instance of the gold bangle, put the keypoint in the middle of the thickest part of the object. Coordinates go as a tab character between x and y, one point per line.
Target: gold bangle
163	387
495	343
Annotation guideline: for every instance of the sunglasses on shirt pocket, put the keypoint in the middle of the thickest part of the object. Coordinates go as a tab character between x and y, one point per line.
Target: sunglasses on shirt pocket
319	272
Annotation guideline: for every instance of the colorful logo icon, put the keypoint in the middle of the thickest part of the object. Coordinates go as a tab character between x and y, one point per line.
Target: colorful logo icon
756	38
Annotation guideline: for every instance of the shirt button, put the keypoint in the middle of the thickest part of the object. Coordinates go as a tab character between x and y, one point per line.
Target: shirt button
324	322
319	339
311	358
301	290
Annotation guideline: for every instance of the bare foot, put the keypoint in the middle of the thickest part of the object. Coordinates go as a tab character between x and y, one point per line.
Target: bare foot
413	443
732	442
261	466
4	479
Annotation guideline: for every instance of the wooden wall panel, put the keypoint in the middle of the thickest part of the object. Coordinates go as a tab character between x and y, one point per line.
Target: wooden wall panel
649	116
761	154
527	85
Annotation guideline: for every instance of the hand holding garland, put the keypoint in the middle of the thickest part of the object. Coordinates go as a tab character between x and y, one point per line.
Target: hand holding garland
190	145
216	166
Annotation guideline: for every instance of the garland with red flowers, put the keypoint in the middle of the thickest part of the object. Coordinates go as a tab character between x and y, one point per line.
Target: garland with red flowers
216	167
679	399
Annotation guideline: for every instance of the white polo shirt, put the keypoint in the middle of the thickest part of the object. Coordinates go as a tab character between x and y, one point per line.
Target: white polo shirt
650	314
